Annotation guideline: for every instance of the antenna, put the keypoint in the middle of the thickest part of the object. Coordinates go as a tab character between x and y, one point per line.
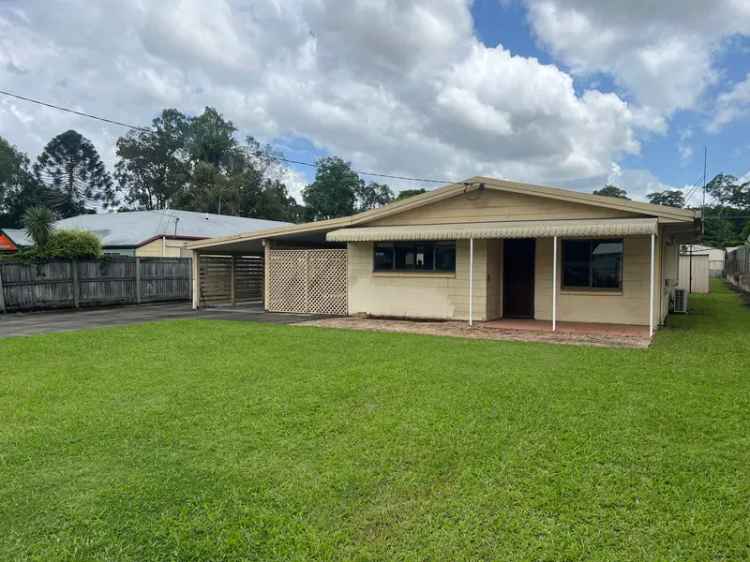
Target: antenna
705	160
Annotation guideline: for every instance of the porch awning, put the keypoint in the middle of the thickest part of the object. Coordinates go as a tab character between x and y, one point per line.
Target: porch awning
515	229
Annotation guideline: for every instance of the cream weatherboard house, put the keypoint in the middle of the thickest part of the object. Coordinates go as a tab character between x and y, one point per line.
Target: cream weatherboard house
479	250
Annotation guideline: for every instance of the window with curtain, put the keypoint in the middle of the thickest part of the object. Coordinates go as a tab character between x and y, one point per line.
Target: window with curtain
415	256
592	264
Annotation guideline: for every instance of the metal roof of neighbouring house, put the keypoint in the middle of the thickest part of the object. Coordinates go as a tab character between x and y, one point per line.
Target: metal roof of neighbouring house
18	236
135	228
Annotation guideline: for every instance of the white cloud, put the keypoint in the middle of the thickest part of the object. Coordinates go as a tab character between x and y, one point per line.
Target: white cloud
731	105
683	145
639	182
400	87
660	52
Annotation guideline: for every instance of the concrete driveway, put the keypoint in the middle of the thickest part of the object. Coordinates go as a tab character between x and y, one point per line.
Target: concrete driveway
31	323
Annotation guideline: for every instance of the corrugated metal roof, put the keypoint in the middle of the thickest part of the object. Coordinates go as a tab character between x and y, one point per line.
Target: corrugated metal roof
517	229
136	227
18	236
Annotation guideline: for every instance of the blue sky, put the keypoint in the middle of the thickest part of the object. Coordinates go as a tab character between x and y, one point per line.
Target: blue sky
674	156
574	93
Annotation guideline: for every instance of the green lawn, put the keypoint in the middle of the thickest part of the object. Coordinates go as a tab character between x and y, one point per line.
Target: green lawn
198	440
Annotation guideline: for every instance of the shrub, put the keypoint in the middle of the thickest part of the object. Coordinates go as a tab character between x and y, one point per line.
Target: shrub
65	244
74	244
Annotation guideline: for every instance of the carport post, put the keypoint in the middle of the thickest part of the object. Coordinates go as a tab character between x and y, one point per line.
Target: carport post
651	295
233	282
196	281
138	280
554	283
471	281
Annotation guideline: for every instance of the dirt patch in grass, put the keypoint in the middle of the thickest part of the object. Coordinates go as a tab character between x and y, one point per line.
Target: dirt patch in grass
462	330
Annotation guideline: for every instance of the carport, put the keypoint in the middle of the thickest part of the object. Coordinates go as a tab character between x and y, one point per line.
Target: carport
289	269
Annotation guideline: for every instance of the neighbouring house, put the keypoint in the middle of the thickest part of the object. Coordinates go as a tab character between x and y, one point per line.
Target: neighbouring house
11	239
148	233
474	251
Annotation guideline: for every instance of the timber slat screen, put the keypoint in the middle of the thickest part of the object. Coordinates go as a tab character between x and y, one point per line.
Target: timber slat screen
308	281
90	282
231	280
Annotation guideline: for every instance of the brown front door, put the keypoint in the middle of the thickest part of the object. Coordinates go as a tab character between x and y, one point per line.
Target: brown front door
518	278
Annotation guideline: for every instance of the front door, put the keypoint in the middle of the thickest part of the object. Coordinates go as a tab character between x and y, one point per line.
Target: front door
518	278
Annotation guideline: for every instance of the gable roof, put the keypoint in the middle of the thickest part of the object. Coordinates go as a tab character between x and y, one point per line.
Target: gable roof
18	236
667	214
134	228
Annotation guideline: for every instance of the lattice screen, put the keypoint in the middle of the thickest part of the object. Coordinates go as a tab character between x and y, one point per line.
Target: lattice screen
309	281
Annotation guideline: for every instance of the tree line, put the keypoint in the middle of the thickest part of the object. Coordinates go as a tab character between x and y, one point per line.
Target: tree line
197	163
726	218
180	162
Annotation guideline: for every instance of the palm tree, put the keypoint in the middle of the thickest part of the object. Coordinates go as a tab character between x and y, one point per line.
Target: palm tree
38	224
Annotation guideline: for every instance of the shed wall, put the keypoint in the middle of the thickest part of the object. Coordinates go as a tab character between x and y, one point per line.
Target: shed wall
701	273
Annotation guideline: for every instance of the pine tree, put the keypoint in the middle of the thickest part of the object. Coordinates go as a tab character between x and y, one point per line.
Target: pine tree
71	168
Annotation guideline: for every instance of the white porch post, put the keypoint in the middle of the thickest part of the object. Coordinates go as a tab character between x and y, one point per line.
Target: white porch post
554	283
196	281
651	295
471	281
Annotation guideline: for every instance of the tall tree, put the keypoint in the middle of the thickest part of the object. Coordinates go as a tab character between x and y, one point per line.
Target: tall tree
726	219
14	167
728	191
334	191
71	168
154	165
612	191
372	195
211	138
19	190
668	198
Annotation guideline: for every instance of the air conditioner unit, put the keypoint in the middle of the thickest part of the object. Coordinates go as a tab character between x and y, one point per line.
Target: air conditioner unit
680	300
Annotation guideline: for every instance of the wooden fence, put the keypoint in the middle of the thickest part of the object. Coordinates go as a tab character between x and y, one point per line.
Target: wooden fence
737	267
90	282
230	279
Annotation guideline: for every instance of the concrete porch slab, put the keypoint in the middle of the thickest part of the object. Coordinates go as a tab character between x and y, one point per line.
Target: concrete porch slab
571	333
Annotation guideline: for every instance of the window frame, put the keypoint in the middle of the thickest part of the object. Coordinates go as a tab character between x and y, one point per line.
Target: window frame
590	288
435	244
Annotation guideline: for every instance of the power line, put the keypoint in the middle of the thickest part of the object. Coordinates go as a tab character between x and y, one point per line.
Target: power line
73	111
376	174
148	130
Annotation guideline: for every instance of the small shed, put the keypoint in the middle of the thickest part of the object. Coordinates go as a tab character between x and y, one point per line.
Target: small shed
695	271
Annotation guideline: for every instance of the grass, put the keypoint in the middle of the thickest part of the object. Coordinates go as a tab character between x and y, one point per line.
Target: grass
198	440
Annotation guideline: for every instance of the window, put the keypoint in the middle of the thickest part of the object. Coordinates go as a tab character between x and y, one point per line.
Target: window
592	264
415	256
